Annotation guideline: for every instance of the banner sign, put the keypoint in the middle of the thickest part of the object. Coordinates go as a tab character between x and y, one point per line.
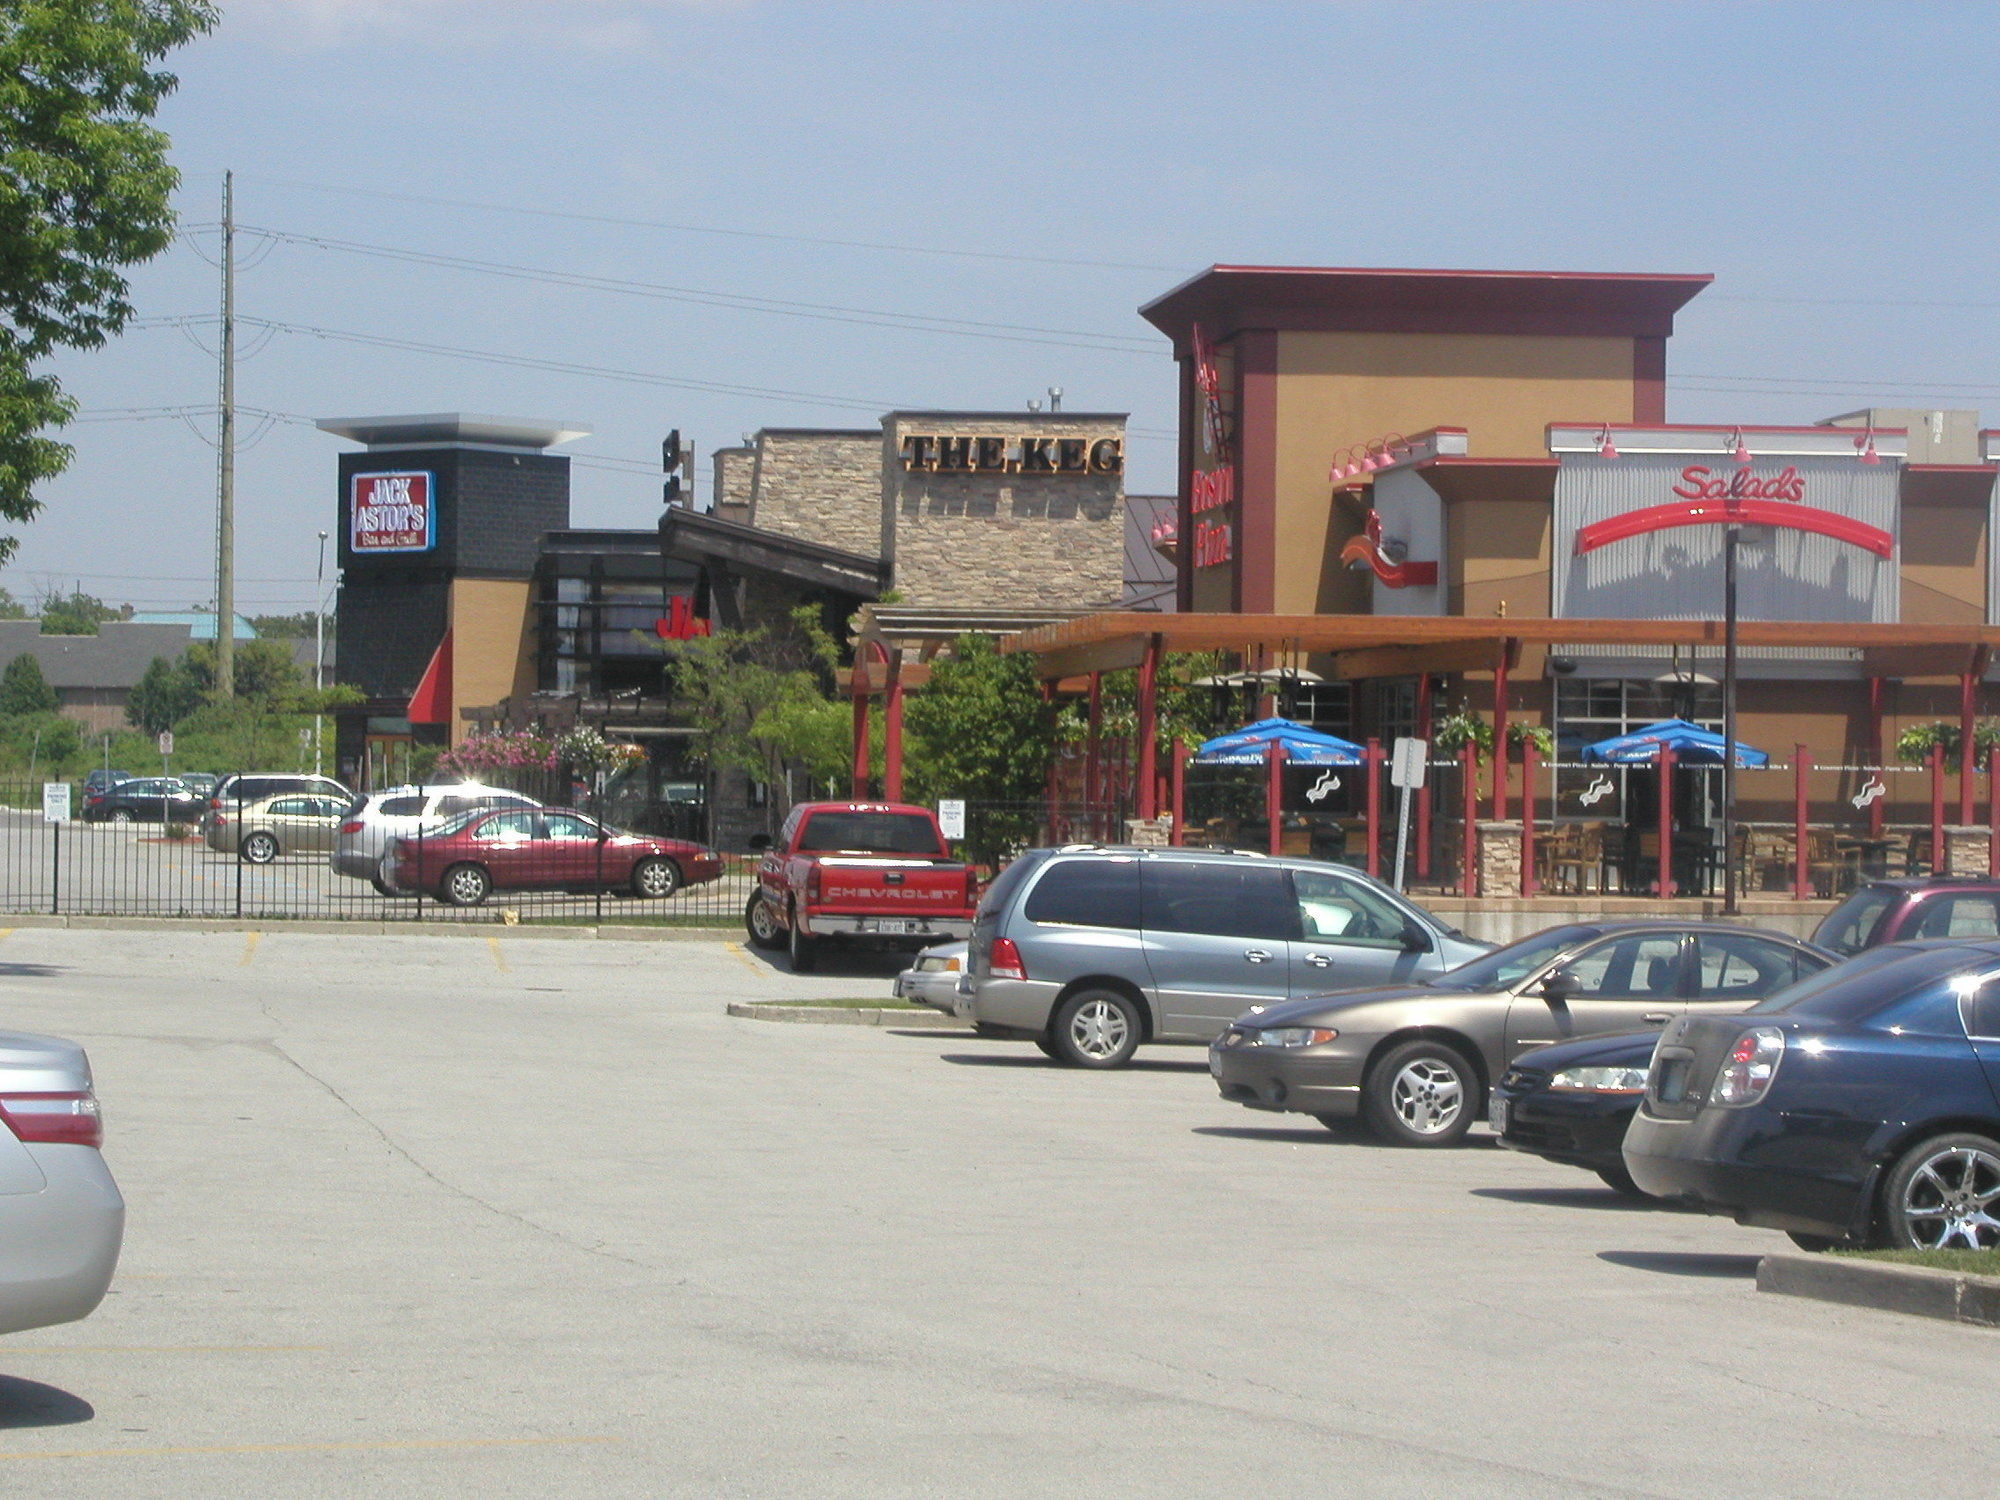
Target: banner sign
392	512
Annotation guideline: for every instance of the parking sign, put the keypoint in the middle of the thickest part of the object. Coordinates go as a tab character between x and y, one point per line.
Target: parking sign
55	802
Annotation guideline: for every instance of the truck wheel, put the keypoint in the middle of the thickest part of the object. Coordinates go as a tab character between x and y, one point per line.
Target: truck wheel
805	949
1096	1029
761	924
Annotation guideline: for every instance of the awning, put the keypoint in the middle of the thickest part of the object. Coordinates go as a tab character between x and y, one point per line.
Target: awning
431	702
1303	746
1690	743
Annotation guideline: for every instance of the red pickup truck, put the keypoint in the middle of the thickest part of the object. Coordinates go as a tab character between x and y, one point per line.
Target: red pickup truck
875	872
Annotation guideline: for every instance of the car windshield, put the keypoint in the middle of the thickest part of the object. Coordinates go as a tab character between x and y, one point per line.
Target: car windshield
1854	924
1871	981
1507	966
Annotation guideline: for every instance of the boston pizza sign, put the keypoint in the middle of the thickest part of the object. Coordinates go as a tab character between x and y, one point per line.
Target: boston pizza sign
394	512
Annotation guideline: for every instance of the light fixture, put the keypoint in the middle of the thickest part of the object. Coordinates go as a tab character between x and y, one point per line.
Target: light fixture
1742	453
1604	447
1866	443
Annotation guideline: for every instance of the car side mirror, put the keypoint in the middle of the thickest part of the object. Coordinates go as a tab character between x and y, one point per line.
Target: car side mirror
759	842
1415	939
1559	986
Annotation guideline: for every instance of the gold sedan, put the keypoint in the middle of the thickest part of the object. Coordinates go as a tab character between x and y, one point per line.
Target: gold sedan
289	823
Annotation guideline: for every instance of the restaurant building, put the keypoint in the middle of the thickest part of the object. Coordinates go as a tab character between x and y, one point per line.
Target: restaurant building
1443	496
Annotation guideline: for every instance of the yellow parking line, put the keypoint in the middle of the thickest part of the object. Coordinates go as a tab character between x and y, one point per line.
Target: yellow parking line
356	1447
499	958
5	933
249	948
736	951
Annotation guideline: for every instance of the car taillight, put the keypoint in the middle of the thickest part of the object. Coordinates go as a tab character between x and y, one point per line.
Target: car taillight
812	883
352	826
1751	1065
54	1119
1005	960
971	886
215	804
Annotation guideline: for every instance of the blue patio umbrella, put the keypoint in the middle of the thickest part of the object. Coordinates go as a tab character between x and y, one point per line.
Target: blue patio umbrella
1691	744
1303	746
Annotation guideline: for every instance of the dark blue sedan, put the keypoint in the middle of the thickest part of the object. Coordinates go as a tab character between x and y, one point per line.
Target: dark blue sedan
1860	1106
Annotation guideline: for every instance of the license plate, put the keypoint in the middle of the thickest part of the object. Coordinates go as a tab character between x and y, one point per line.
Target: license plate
893	925
1498	1115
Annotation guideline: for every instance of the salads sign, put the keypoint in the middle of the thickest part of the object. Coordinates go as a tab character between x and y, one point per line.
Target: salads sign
392	512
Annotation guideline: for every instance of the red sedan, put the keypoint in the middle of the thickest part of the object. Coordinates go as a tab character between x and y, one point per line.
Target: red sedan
546	849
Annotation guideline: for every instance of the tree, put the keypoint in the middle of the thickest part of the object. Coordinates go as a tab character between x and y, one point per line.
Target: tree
24	690
84	192
981	730
265	671
76	613
10	607
165	694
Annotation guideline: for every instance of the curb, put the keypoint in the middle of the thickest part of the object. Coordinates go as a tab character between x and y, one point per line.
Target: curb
482	927
1919	1291
826	1015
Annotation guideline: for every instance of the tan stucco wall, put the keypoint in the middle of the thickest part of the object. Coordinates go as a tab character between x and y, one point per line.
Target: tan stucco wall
1497	558
1338	389
1944	564
491	655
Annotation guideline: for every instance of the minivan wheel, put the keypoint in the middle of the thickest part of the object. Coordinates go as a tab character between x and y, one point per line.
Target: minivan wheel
1945	1194
1096	1029
260	849
1422	1093
761	924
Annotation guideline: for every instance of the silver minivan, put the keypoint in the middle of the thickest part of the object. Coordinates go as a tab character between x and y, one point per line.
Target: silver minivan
1088	951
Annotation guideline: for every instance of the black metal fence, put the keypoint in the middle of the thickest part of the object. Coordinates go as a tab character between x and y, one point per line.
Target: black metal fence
262	861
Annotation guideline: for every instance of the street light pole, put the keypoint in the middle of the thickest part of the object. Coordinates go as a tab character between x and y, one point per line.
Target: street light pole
1730	536
319	648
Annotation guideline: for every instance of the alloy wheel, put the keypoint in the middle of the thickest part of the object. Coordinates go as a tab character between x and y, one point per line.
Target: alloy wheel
1099	1029
1427	1095
1950	1199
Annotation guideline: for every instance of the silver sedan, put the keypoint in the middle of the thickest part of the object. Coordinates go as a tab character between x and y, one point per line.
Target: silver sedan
62	1219
933	979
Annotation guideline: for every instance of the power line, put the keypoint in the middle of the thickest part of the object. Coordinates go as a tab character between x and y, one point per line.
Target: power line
710	229
1017	333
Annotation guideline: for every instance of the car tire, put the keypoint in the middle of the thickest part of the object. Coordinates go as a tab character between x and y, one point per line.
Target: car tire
465	885
382	887
762	924
1338	1124
1422	1093
1620	1182
1944	1193
119	815
655	879
258	849
1096	1029
804	947
1047	1047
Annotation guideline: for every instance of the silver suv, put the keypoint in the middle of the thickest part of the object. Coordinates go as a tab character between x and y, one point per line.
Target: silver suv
1087	951
375	821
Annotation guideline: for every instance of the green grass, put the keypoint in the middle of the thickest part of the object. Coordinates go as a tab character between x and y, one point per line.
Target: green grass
876	1004
1974	1262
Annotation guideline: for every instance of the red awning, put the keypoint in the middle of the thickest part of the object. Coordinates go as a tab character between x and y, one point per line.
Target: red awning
431	702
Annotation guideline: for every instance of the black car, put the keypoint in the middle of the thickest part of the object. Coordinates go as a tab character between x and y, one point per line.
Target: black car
150	799
1571	1102
1857	1107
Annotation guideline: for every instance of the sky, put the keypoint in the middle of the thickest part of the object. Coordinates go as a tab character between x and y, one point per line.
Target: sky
717	215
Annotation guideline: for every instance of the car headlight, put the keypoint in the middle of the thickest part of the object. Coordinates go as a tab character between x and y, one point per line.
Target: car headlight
1600	1081
1293	1036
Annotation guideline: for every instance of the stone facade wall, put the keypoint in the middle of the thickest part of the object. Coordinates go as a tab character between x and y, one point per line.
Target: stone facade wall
735	471
987	527
820	486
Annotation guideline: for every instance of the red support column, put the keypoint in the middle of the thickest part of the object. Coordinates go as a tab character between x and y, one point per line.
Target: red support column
1500	736
1093	777
1665	760
1876	808
1179	834
1049	793
1939	865
1528	768
858	787
1146	772
1375	807
1993	810
1274	792
1967	767
1799	822
1468	828
1424	791
892	731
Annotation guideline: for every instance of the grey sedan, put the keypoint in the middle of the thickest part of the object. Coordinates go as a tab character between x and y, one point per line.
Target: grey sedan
1414	1061
62	1219
933	978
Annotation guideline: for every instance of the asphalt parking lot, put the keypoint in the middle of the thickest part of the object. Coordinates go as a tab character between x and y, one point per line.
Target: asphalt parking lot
506	1215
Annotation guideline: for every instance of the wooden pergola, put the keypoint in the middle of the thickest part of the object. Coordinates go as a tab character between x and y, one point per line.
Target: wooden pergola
1424	646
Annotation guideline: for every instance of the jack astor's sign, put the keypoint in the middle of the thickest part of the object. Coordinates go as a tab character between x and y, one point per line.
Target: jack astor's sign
392	512
940	453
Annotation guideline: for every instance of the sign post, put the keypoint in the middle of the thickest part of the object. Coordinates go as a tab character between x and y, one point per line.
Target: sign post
1408	763
166	751
55	812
